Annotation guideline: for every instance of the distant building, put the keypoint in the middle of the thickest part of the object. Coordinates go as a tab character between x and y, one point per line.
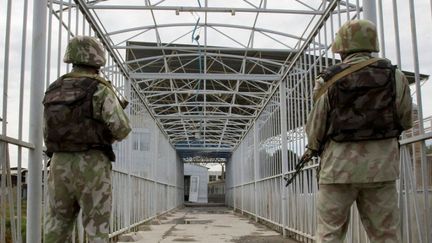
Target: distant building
216	187
215	176
14	180
195	183
216	191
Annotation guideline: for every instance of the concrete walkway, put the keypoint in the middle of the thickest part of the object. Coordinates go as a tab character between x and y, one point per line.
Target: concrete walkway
204	224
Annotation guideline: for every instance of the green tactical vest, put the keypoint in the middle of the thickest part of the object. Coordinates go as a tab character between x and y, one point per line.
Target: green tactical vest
68	114
363	103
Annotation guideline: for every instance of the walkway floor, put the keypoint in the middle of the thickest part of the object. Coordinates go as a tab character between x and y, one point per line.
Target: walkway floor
205	224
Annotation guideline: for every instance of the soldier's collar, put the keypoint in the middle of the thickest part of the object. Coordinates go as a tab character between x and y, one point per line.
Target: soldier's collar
85	69
356	57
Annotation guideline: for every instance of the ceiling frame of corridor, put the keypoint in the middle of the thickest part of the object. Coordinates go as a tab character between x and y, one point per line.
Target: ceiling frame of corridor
202	95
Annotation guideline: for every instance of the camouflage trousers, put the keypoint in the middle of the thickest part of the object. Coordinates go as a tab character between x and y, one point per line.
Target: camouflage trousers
377	206
80	180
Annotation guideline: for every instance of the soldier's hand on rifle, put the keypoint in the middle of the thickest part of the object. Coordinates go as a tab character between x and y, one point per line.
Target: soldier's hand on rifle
308	155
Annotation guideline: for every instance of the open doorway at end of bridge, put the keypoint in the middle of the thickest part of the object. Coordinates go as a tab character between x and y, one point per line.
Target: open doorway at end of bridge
204	182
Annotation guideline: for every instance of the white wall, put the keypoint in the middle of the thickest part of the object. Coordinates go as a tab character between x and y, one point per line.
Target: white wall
202	172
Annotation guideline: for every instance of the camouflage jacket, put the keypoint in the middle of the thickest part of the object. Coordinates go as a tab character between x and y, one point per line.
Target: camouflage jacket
107	110
362	161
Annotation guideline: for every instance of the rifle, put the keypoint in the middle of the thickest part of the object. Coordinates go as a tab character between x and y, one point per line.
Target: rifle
306	157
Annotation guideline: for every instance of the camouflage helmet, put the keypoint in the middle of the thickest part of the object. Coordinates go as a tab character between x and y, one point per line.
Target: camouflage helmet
356	36
85	50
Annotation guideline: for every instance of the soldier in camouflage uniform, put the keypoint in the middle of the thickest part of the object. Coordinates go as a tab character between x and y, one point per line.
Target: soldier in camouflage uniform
82	118
354	127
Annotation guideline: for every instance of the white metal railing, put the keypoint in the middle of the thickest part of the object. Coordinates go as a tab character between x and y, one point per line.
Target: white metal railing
147	180
294	208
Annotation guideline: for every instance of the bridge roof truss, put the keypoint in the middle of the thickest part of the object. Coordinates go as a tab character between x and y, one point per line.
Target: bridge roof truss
204	69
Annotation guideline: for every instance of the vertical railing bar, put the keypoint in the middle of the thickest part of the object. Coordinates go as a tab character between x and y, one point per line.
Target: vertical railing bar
291	165
314	186
301	143
399	186
47	81
303	99
8	180
20	122
347	5
127	155
111	223
49	37
69	28
76	21
155	162
59	40
405	210
284	149
326	45
408	200
84	23
34	202
381	29
358	9
299	183
414	190
273	125
320	53
369	11
406	197
3	192
296	185
332	38
242	158
6	66
396	29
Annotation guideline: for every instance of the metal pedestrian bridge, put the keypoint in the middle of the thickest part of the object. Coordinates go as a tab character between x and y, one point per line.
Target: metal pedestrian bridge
226	81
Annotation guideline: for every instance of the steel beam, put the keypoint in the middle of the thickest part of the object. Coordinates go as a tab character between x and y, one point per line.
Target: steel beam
209	104
196	48
179	9
199	117
223	25
208	76
203	149
203	91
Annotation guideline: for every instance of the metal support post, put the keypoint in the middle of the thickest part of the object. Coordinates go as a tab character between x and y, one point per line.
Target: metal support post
34	202
256	157
370	13
128	159
155	163
369	10
284	148
233	182
242	177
